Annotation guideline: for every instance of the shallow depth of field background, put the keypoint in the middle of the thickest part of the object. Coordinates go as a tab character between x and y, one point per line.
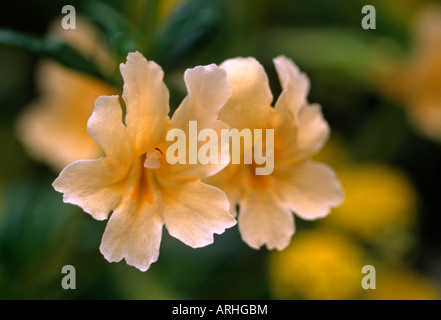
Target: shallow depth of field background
389	167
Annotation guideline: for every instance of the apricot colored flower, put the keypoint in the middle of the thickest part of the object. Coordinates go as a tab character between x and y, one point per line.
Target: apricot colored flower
54	127
134	180
297	183
416	82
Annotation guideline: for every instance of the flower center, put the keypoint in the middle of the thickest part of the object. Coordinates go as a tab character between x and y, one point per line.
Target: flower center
257	181
152	159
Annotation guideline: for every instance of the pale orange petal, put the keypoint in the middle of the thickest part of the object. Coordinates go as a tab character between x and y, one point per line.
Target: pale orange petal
230	180
54	128
264	220
310	189
106	128
208	91
50	139
92	185
427	118
250	104
313	130
196	212
86	39
295	85
311	134
146	98
134	233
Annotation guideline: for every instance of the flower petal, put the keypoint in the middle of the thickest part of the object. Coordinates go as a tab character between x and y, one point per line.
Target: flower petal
54	128
85	38
264	220
310	189
208	91
106	128
196	212
427	119
146	98
92	185
133	232
295	85
250	104
311	134
231	181
313	130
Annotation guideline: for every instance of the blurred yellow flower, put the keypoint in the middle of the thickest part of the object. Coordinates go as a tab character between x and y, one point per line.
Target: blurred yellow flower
417	83
53	129
398	284
135	181
320	264
378	199
297	183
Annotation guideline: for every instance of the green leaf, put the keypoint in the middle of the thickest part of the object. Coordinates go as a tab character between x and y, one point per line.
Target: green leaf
37	234
34	220
120	33
350	52
382	136
194	24
51	47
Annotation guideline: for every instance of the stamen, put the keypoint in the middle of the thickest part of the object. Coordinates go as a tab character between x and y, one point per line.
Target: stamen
152	158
